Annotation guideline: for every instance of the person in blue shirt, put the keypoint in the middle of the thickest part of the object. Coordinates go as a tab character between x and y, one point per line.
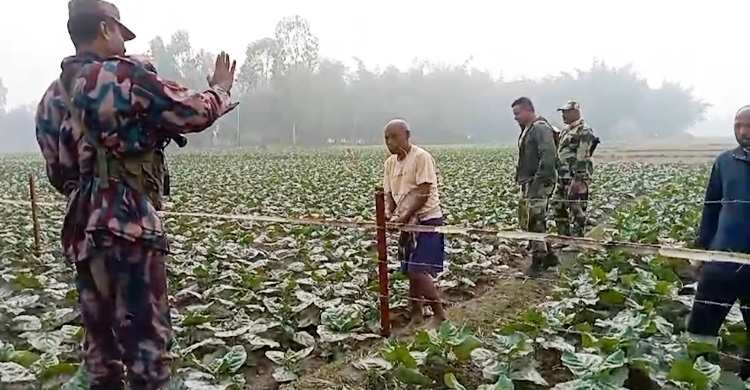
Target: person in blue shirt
725	226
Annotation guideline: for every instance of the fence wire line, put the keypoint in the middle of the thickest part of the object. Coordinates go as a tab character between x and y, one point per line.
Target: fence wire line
688	254
635	248
735	357
13	202
52	204
592	333
552	199
581	333
525	278
647	249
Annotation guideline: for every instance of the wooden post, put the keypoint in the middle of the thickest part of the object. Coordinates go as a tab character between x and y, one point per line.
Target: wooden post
385	310
34	214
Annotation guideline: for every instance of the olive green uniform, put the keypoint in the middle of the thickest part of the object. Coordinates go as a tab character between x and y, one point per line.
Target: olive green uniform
536	176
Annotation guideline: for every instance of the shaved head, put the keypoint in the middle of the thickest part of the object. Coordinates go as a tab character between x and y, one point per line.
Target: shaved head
398	125
397	137
742	126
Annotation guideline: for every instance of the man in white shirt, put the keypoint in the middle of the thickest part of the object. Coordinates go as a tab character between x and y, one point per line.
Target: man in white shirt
410	184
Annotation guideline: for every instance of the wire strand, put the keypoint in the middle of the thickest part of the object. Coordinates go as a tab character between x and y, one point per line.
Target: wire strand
636	248
13	202
631	294
459	230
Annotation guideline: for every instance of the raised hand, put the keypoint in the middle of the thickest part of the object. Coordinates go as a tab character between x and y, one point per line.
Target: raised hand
223	72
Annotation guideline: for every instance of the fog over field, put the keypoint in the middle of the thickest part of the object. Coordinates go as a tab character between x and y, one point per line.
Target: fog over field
334	70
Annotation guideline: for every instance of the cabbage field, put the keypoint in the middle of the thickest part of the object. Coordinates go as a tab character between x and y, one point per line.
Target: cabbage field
264	305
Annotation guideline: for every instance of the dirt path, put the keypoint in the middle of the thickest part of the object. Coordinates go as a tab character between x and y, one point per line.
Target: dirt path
687	154
496	302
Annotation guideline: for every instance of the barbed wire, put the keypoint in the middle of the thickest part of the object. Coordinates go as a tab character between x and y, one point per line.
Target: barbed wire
735	357
599	334
13	202
552	199
570	330
526	278
635	248
630	295
585	242
461	230
522	278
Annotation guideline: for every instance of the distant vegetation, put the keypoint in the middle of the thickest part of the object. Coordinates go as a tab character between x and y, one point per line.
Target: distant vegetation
292	94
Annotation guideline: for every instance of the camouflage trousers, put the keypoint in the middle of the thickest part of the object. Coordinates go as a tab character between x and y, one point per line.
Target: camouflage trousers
532	215
570	207
127	322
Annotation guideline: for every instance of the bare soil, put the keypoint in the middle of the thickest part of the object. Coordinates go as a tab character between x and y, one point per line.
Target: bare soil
695	151
495	302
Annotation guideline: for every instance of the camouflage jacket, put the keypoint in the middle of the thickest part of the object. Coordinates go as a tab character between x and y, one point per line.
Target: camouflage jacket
574	151
123	103
536	154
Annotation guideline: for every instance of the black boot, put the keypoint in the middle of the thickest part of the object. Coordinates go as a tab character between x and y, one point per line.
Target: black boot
745	366
109	385
579	227
551	260
745	371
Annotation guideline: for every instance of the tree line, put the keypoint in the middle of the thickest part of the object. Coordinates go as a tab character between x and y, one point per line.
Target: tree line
291	94
16	125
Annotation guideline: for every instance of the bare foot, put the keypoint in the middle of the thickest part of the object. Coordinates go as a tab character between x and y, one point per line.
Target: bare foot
413	325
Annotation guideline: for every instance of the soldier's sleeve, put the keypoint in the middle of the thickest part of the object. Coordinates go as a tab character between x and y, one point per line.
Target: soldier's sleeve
547	153
583	154
48	120
173	107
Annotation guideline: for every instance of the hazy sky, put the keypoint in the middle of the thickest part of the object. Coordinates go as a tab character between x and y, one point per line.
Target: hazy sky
696	43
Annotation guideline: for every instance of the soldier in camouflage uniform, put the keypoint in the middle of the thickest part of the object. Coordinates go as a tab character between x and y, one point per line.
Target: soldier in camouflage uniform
536	176
574	170
100	127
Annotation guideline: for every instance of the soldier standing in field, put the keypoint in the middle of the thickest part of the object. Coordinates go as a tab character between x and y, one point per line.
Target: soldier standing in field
100	127
411	194
536	175
574	170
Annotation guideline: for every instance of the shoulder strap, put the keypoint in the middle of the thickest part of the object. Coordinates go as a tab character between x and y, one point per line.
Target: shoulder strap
555	133
97	266
77	118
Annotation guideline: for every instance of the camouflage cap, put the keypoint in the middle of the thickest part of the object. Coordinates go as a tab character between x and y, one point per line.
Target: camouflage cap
570	105
102	9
